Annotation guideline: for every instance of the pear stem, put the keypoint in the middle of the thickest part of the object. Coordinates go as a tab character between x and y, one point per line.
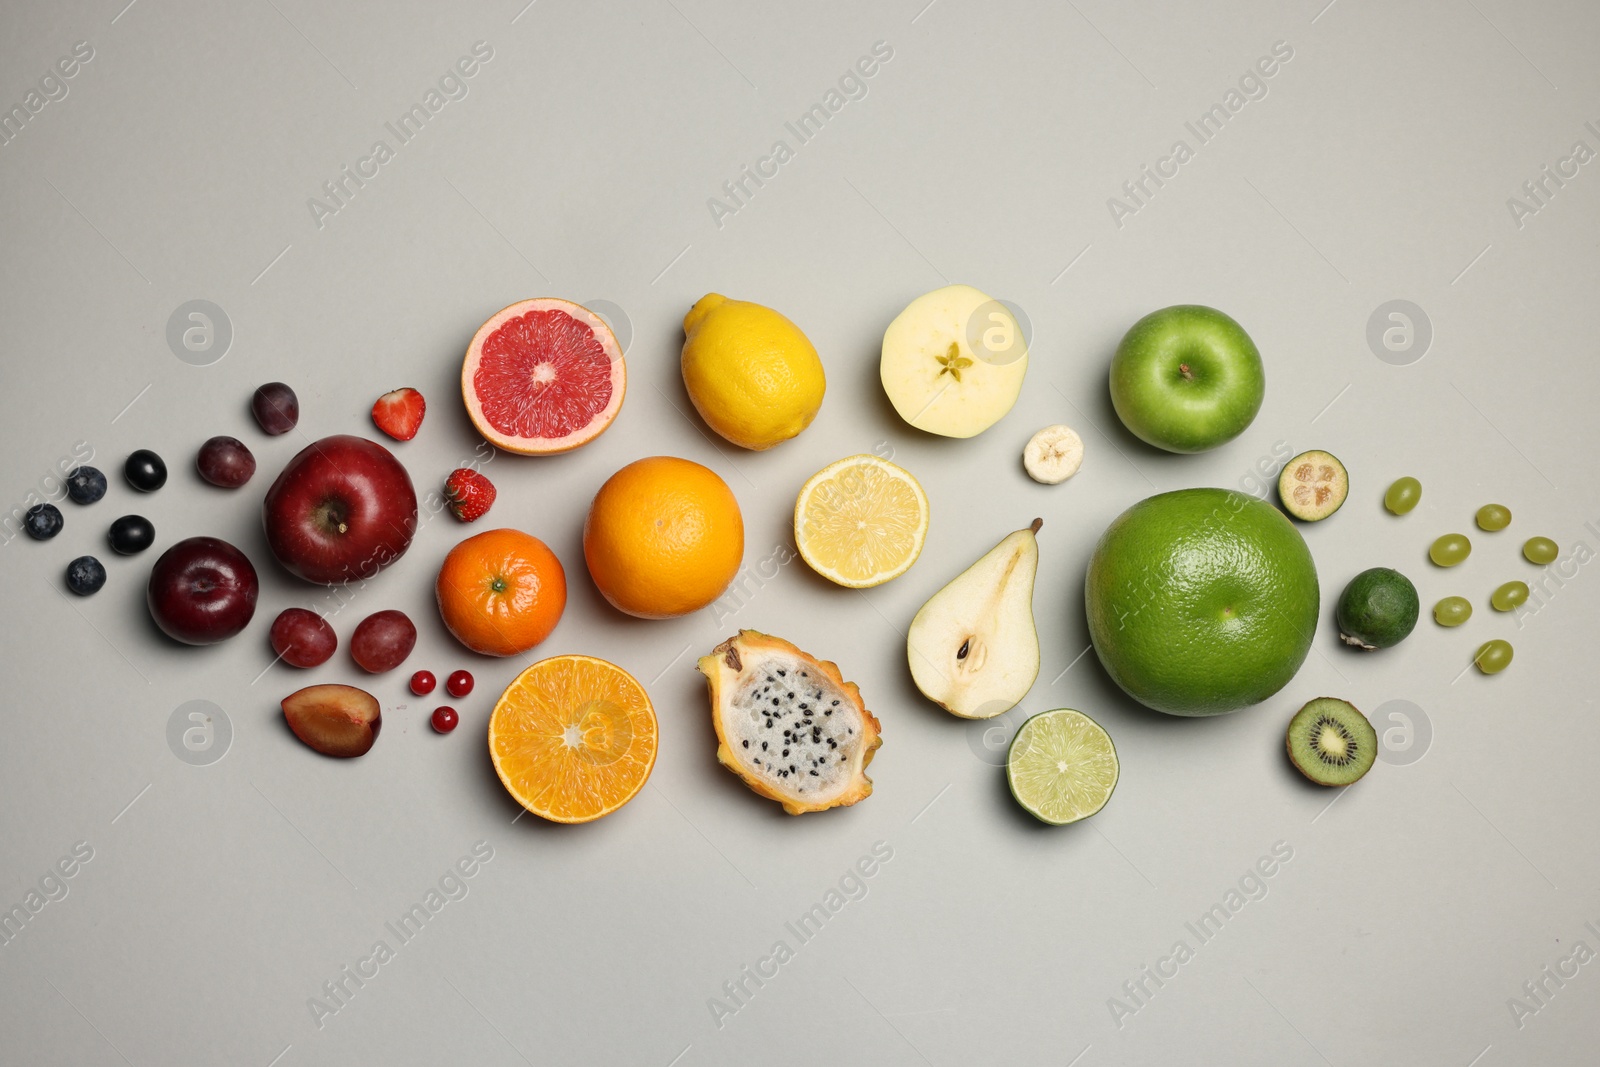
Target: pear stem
1036	524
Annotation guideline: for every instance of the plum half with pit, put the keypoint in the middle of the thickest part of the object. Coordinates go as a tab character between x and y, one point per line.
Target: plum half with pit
382	641
335	720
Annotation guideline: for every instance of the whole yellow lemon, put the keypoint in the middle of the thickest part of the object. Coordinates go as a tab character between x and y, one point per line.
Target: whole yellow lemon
753	376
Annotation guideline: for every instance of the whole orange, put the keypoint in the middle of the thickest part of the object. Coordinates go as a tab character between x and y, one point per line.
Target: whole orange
664	537
501	592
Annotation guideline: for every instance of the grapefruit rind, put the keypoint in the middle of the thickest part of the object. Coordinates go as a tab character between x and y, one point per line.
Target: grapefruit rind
541	446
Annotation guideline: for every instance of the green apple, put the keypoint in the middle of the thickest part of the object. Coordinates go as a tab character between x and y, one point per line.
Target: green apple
1187	378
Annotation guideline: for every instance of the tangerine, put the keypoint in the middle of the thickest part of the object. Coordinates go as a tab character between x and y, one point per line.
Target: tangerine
501	592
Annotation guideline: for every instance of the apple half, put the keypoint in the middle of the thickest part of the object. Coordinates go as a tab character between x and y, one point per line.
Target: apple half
953	361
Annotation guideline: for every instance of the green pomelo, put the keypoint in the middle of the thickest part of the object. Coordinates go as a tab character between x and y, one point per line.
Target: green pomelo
1201	601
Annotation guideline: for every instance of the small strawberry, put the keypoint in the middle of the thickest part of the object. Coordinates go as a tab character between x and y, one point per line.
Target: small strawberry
399	413
468	493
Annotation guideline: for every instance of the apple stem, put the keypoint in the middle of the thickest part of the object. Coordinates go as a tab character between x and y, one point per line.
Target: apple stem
1183	369
343	528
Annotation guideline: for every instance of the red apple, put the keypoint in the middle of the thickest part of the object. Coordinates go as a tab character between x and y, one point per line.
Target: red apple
336	720
202	590
342	510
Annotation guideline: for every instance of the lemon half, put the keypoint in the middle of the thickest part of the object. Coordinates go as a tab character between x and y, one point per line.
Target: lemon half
861	521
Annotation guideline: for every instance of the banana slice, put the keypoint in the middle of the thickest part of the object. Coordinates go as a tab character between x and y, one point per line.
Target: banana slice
1053	455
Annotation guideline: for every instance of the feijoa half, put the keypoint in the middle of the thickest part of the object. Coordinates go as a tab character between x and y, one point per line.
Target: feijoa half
1331	743
1313	485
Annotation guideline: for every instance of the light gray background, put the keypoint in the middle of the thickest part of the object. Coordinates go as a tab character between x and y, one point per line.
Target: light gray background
221	897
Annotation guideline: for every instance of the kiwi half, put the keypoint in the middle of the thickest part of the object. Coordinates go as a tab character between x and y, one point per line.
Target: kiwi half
1332	743
1313	485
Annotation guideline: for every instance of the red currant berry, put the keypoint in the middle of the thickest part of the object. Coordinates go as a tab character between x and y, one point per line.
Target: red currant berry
459	684
445	719
422	683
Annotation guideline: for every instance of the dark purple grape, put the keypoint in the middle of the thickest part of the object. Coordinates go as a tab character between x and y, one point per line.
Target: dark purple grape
145	471
382	641
303	638
131	535
275	407
225	461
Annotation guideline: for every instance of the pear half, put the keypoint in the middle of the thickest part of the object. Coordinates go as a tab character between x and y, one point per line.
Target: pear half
953	361
973	647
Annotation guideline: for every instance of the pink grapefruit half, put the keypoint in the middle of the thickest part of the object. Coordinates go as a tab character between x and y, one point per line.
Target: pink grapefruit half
543	376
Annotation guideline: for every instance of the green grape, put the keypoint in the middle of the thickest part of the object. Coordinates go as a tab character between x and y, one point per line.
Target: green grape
1494	517
1403	495
1493	656
1540	550
1510	597
1450	549
1452	611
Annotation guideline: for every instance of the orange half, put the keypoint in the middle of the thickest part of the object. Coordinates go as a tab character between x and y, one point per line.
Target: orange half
573	738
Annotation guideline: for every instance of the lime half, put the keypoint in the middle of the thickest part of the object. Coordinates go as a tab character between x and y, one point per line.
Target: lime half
1062	766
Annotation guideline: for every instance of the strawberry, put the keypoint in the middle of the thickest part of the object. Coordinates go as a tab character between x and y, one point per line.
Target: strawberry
399	413
468	493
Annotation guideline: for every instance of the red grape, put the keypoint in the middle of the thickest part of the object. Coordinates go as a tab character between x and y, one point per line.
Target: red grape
382	641
275	407
459	684
303	638
225	461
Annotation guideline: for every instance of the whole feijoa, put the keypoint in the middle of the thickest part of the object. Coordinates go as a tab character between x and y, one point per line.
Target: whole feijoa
1378	609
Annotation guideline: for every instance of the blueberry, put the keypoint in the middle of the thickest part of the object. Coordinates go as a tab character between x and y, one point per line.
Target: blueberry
145	471
85	575
131	535
43	521
85	485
